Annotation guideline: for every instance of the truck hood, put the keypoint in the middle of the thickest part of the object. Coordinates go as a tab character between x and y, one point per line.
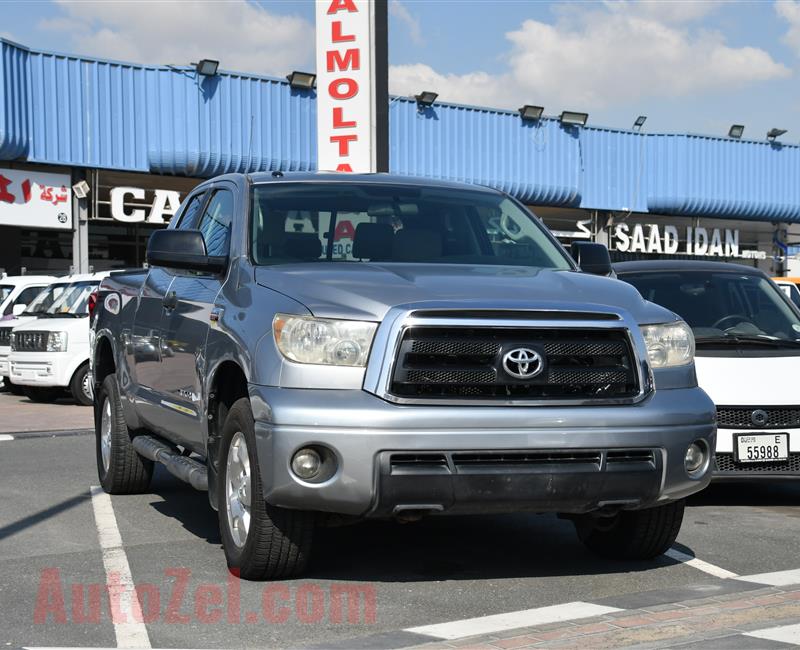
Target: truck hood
749	381
367	291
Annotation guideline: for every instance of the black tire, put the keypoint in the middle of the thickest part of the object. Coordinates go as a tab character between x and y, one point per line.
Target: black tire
633	534
127	471
14	389
277	543
42	395
78	386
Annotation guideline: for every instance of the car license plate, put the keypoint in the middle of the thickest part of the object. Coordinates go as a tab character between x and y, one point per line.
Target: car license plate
762	447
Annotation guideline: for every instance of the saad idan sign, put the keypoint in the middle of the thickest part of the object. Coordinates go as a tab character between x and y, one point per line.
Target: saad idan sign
348	128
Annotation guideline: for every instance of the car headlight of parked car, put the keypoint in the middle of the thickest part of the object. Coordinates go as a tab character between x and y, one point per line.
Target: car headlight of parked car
669	344
56	341
323	341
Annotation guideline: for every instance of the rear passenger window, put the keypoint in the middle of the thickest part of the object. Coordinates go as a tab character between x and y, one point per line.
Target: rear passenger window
190	216
216	223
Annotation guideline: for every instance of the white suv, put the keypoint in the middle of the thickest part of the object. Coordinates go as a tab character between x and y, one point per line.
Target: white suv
51	352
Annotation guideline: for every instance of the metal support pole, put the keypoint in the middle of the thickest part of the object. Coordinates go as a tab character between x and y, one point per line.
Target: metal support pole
80	228
381	54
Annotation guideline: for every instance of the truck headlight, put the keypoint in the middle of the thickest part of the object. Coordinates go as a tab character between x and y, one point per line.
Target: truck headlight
56	341
669	344
322	340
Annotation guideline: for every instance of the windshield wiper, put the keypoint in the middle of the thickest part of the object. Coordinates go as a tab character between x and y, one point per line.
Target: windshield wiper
67	314
743	338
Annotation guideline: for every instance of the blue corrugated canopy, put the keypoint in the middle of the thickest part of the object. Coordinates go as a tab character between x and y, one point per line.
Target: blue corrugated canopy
80	111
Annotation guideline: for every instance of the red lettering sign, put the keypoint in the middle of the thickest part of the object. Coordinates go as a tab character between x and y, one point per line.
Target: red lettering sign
344	230
350	60
5	195
351	88
344	142
336	33
339	121
339	5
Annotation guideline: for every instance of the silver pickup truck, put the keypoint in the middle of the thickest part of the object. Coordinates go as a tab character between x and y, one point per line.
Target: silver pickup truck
320	348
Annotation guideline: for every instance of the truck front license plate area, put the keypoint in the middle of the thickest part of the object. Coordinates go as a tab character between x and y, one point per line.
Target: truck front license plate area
761	447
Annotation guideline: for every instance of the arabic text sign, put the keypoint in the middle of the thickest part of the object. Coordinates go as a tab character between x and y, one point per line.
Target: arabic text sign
35	199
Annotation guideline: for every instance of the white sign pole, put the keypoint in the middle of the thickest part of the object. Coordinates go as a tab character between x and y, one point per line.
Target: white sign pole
352	83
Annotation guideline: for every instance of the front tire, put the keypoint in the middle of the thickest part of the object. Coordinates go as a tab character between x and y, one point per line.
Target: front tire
633	534
80	386
261	541
14	389
120	468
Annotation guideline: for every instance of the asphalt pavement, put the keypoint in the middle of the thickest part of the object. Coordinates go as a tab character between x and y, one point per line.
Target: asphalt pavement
366	583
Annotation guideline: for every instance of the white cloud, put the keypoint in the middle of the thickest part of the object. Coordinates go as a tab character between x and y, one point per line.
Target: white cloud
790	11
615	54
401	12
666	11
243	36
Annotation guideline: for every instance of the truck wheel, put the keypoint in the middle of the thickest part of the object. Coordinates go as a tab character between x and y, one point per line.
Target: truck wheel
41	395
633	534
261	541
80	386
14	389
120	468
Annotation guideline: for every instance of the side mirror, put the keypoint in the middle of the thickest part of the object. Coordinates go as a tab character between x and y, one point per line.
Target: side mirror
182	249
18	309
591	258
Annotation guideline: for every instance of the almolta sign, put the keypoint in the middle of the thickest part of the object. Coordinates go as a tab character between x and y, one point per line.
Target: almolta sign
652	238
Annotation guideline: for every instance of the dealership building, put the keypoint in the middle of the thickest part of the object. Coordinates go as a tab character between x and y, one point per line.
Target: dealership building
95	154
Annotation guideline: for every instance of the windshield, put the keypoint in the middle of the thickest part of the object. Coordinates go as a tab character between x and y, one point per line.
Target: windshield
44	299
351	222
5	291
74	300
721	304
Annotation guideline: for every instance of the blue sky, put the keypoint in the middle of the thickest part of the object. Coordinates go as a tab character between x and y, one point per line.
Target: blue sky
688	65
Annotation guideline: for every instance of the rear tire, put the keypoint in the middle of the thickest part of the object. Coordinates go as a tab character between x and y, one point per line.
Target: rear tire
120	468
80	386
42	395
261	541
633	534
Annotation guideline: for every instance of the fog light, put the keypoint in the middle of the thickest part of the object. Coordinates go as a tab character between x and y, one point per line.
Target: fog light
695	458
306	463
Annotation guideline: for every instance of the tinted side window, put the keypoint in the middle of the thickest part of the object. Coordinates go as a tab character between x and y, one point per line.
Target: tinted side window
24	298
216	223
191	214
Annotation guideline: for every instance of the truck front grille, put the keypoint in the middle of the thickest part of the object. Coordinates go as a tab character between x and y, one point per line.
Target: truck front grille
30	341
741	417
5	336
467	362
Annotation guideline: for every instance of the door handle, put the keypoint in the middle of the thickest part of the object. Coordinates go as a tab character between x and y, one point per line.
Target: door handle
170	301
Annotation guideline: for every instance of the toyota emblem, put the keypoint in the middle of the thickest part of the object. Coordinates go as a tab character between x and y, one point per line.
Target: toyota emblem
759	417
523	363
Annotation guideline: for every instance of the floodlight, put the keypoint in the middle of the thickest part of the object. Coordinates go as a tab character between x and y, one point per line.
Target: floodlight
775	133
81	189
736	131
639	123
302	80
206	67
574	119
426	98
531	113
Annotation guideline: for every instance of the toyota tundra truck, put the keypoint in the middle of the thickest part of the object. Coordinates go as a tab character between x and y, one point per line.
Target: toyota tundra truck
327	348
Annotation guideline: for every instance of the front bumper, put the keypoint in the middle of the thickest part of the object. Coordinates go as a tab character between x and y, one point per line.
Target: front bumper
496	459
4	367
45	369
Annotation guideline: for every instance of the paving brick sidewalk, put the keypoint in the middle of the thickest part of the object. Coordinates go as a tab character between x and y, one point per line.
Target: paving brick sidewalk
685	624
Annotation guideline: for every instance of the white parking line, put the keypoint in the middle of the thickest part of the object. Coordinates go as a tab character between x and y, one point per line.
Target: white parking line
5	437
775	579
513	620
129	630
700	565
784	633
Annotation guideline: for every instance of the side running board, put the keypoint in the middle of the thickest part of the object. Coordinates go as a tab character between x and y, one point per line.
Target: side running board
187	469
